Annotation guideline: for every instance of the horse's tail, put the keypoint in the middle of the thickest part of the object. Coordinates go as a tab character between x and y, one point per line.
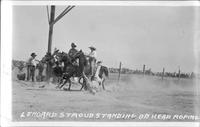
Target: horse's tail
106	72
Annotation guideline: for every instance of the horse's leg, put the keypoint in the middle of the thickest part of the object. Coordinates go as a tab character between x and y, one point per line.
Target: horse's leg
69	84
81	87
59	82
63	84
103	80
79	81
84	84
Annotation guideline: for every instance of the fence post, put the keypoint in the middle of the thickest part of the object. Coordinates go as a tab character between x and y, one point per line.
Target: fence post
120	67
144	69
179	73
163	73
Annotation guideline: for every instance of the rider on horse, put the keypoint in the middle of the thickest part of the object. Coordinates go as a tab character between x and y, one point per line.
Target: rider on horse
72	53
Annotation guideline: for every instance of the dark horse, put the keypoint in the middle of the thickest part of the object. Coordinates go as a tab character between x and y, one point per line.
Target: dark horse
69	70
84	67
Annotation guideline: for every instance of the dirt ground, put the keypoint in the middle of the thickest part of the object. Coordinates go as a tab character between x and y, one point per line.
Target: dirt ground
134	98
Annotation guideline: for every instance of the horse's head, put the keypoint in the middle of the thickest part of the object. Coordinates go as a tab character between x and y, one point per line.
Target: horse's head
56	51
79	54
57	56
63	57
47	57
82	58
64	54
44	60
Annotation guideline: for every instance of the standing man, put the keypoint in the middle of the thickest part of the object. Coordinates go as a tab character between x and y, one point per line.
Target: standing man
72	51
92	59
31	65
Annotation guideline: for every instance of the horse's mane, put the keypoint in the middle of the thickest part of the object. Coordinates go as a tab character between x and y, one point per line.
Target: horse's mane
65	56
84	57
64	53
82	60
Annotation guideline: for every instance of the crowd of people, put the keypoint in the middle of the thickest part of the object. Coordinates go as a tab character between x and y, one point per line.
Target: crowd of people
92	55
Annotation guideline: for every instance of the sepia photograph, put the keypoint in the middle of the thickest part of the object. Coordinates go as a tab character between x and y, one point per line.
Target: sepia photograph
104	63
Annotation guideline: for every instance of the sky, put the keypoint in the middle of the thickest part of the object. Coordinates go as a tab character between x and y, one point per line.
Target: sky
135	35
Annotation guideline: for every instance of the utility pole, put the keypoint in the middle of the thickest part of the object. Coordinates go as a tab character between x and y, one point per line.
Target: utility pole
52	15
51	20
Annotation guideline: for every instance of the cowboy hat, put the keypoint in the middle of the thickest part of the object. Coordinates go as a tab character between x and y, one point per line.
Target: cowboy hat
33	54
56	50
99	62
92	48
73	45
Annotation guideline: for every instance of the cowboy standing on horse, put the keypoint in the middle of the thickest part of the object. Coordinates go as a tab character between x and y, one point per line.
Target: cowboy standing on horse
31	65
72	52
92	59
96	76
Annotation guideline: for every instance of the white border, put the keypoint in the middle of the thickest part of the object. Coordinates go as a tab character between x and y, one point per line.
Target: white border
196	50
110	3
109	124
6	53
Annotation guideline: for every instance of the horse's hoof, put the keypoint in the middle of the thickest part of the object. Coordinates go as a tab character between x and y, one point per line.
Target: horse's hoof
42	86
66	89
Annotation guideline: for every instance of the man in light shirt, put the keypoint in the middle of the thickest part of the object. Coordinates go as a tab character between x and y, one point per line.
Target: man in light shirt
31	65
92	59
